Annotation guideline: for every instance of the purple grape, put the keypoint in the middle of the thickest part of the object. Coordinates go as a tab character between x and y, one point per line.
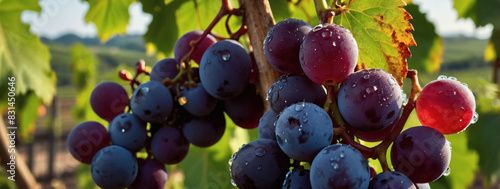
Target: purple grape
166	68
206	130
370	100
302	130
246	109
267	127
340	166
108	100
86	139
373	136
197	101
182	46
259	164
290	89
225	69
282	45
392	180
421	153
152	102
328	54
128	131
297	179
114	167
152	175
169	146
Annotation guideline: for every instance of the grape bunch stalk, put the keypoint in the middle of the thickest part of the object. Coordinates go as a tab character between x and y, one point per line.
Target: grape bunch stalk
322	108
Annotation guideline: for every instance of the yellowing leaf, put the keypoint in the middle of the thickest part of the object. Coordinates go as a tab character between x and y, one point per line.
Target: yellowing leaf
22	55
382	31
109	16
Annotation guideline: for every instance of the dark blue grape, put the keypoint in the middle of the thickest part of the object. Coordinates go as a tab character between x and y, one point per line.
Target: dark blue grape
225	69
152	102
246	109
290	89
370	100
392	180
86	139
282	45
128	131
259	164
340	166
166	68
206	130
297	179
114	167
108	100
152	175
421	153
197	101
169	145
302	130
267	127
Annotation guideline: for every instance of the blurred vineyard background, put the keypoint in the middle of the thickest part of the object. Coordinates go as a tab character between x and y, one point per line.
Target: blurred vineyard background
81	63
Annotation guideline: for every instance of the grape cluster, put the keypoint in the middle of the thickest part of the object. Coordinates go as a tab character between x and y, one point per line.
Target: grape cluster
305	143
180	105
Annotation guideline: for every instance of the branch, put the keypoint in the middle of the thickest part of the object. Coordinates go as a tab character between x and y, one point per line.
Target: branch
259	19
23	176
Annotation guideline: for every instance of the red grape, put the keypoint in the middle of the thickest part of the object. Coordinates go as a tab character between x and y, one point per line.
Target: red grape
182	46
446	105
328	54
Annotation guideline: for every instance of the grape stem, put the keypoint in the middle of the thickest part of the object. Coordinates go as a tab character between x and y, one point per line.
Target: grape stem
380	151
185	64
325	13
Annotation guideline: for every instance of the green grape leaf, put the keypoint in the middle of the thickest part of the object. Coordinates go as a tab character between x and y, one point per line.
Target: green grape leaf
482	12
27	113
208	167
382	31
22	55
110	17
172	20
428	54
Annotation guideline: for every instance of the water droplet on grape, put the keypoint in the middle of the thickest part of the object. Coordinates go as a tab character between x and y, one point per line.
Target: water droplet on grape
259	168
246	162
334	44
232	182
335	166
452	78
332	159
230	162
326	34
366	76
125	127
270	38
286	140
353	85
275	96
300	106
370	89
226	55
260	151
442	77
342	155
475	117
338	36
447	171
465	84
316	28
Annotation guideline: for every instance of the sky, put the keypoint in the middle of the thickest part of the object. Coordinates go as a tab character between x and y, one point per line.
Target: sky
59	17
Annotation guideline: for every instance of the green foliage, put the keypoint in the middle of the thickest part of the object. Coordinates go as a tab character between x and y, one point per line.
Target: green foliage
171	20
381	29
83	68
303	10
22	55
110	17
482	12
427	55
483	135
